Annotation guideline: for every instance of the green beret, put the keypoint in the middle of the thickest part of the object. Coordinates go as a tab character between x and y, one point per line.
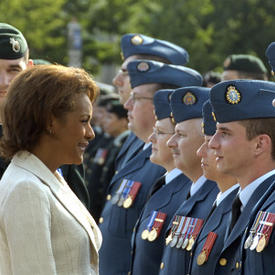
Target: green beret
245	63
13	45
41	62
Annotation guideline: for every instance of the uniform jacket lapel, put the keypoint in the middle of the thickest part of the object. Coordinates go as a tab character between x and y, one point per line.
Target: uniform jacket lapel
245	216
133	165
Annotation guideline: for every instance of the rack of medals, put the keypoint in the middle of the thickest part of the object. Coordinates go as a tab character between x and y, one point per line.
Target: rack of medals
184	232
126	193
260	231
154	226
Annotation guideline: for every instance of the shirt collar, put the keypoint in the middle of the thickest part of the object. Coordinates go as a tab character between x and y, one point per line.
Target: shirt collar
146	145
172	174
197	185
247	192
222	195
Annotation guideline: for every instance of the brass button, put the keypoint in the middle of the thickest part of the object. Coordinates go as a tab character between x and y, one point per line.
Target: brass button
162	265
222	261
129	273
101	220
237	265
108	197
116	172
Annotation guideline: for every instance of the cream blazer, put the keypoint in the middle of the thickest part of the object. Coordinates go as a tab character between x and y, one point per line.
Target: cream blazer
44	228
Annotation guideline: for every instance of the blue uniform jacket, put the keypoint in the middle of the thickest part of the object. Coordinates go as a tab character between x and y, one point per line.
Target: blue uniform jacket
176	260
146	255
129	149
260	263
230	261
217	223
117	223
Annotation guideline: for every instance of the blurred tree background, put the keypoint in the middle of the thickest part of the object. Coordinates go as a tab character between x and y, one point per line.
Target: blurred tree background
208	29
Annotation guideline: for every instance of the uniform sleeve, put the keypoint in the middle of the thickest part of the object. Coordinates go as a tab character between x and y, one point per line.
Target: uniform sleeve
27	222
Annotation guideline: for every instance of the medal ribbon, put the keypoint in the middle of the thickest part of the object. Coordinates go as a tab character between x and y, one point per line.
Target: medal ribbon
134	190
261	223
209	242
190	228
151	221
268	226
127	189
197	228
159	221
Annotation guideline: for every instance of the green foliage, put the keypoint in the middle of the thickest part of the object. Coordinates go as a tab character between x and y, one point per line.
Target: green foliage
209	29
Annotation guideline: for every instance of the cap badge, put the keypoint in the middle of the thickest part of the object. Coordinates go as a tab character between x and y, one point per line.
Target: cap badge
226	62
189	99
136	40
15	45
214	117
202	128
273	102
233	96
172	118
143	67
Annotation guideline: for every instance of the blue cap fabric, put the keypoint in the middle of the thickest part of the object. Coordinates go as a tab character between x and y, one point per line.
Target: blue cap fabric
242	99
133	44
13	44
270	54
162	103
148	71
209	124
186	103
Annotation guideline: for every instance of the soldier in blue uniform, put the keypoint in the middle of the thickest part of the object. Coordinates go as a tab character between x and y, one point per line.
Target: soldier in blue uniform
186	104
138	46
169	192
129	188
244	147
209	243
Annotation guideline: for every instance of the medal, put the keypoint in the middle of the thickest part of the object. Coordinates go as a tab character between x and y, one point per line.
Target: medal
201	258
134	187
180	241
183	231
157	226
174	241
185	243
254	242
152	235
261	244
176	235
168	239
144	234
115	199
128	202
190	244
248	242
207	247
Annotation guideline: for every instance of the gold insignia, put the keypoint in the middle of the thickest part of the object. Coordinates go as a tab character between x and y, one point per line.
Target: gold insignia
202	128
122	56
15	45
136	40
226	62
189	99
233	96
273	102
172	118
214	117
143	67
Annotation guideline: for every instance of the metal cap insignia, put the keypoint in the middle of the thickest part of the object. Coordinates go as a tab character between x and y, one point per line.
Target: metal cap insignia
136	40
143	67
189	99
15	45
233	96
214	117
273	102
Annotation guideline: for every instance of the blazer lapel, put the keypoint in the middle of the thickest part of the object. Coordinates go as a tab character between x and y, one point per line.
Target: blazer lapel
63	193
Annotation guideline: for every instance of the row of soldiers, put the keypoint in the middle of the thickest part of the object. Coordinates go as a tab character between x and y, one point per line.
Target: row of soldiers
182	196
193	187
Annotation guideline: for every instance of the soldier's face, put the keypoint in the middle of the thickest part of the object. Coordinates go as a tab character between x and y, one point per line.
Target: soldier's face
122	80
208	160
185	143
234	152
161	153
141	110
9	68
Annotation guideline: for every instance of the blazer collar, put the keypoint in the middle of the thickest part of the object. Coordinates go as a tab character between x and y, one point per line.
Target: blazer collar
62	192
